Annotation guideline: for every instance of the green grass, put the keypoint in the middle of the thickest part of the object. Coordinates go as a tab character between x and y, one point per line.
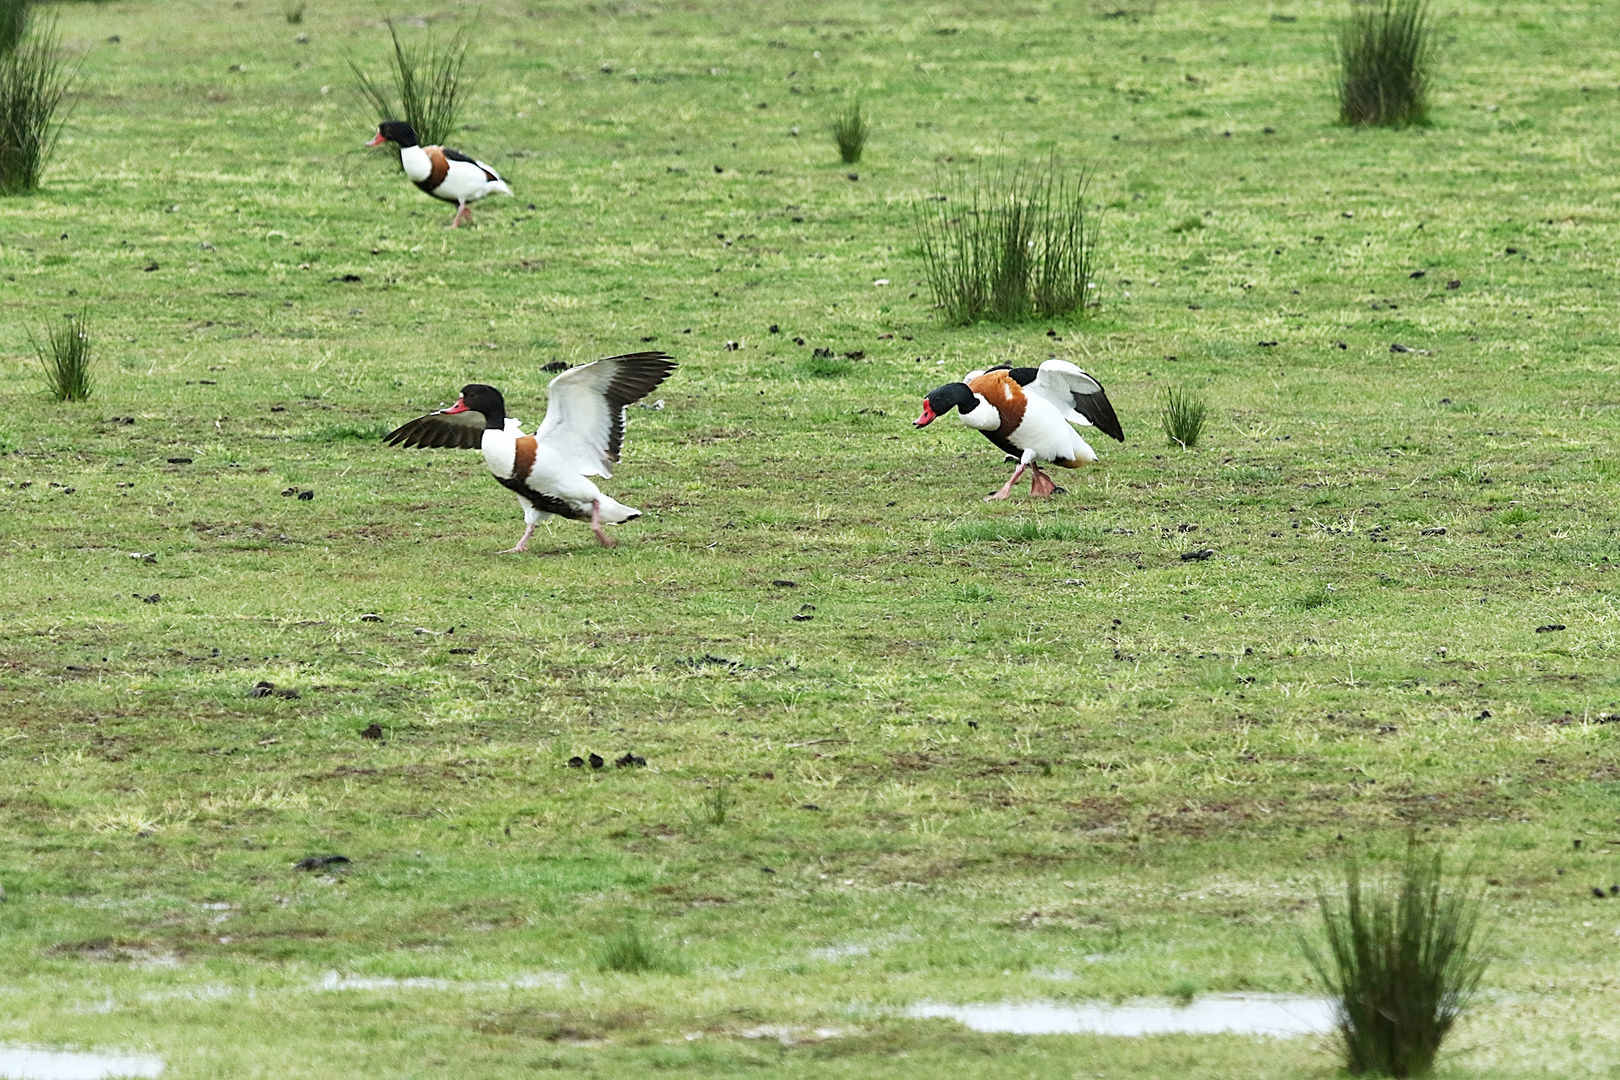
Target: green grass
1011	243
849	131
822	366
427	85
1402	961
35	80
329	433
1011	531
1165	816
1183	414
65	358
630	953
14	17
1386	63
716	806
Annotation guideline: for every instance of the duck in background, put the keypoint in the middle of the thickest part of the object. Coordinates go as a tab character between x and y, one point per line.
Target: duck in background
440	171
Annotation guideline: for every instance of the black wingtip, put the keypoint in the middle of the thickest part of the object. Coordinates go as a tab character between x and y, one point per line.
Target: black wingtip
1100	411
637	375
1109	425
656	354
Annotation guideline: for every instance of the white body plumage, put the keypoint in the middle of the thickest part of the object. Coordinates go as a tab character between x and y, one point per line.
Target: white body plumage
550	473
463	181
581	436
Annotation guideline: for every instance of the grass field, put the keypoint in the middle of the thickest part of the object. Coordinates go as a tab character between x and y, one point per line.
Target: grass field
1015	751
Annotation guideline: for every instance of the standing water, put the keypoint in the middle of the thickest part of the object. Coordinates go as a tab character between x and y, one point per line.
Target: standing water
1278	1015
38	1063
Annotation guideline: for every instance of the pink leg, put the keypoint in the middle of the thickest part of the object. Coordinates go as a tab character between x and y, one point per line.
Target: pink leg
1006	489
522	545
462	214
1042	486
596	524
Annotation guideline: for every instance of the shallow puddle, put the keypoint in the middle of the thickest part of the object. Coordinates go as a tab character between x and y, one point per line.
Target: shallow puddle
1278	1015
39	1063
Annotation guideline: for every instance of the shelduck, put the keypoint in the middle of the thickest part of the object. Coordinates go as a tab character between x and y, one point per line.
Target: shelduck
580	438
1026	412
440	171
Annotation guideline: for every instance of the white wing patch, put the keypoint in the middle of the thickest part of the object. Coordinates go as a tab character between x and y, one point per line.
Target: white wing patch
585	415
1066	377
578	419
1078	396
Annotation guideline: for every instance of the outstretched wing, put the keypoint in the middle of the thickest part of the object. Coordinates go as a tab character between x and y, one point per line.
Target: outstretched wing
1076	394
457	431
584	422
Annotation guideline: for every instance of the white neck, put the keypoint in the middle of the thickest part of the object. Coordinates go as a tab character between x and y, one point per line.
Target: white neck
983	416
416	163
500	452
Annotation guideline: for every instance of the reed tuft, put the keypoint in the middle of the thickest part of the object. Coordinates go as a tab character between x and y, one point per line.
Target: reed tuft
1401	963
65	356
428	84
1183	414
1386	61
630	953
34	82
1010	245
849	130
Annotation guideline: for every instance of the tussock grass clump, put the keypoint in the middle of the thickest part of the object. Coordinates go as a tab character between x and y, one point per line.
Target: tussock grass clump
294	11
1183	415
428	85
1400	962
1011	245
1184	991
1386	58
34	78
717	805
65	356
849	131
632	954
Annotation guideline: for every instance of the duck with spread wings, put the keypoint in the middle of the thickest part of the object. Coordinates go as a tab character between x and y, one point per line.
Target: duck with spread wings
550	470
1027	413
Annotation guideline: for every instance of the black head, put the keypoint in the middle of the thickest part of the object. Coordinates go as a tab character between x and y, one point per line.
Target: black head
395	131
484	399
950	396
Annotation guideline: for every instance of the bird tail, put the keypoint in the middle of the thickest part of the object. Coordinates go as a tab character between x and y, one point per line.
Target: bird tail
616	513
500	186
